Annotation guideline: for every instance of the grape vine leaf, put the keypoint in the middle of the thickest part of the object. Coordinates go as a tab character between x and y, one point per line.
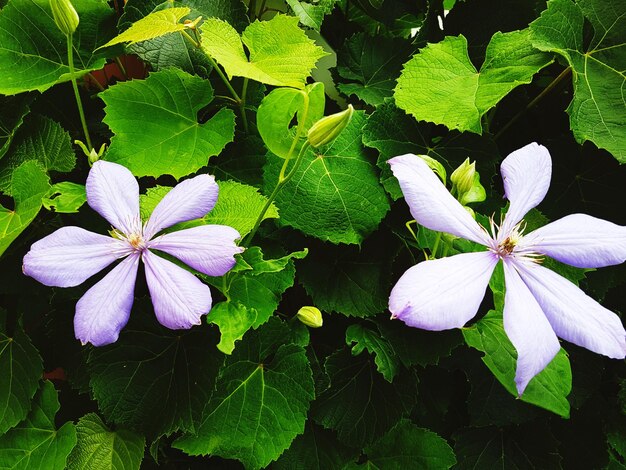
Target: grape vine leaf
33	53
441	85
365	338
280	52
334	195
35	442
20	369
311	14
598	109
14	109
98	447
156	127
65	197
261	400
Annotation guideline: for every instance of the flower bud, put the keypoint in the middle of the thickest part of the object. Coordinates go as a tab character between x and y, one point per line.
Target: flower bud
463	177
65	16
328	128
310	316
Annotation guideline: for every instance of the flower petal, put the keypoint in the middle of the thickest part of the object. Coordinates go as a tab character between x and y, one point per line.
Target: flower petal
431	203
105	308
526	175
444	293
188	200
113	192
178	297
574	316
209	249
71	255
528	329
579	240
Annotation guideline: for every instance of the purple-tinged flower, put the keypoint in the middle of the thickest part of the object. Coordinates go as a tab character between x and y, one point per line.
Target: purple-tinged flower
71	255
539	304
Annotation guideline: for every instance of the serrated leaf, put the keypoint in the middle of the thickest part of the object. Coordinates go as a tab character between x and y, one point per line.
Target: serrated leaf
598	110
233	320
65	197
155	125
20	369
260	403
280	53
33	54
36	442
14	109
368	339
99	448
334	195
441	85
311	14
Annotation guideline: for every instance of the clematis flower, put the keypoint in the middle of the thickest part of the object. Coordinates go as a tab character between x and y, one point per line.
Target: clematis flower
71	255
539	304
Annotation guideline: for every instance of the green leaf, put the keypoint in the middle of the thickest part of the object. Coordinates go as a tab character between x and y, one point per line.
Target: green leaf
548	389
368	339
29	184
33	53
99	448
371	65
233	320
441	85
334	195
65	197
280	53
409	446
20	369
598	110
158	23
35	442
260	403
156	127
14	109
311	14
154	369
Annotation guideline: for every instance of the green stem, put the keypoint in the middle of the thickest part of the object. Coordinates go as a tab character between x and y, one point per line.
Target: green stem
433	252
81	113
95	82
120	65
242	104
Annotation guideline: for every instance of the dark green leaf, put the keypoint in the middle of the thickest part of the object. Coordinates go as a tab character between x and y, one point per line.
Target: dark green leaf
368	339
14	109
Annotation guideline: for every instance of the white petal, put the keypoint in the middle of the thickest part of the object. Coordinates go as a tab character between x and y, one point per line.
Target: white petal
191	199
528	329
526	175
431	204
113	192
579	240
574	316
444	293
178	297
105	308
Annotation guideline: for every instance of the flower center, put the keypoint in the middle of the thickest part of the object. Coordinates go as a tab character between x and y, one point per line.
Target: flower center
136	241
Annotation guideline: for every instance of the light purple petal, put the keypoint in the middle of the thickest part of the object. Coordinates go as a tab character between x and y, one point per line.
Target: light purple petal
209	249
579	240
178	297
444	293
105	308
113	192
188	200
431	204
528	329
71	255
574	316
526	175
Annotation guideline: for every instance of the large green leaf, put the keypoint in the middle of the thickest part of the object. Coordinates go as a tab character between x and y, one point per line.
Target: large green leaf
312	13
441	85
33	54
36	442
260	404
334	195
155	124
99	448
598	110
20	369
280	53
365	338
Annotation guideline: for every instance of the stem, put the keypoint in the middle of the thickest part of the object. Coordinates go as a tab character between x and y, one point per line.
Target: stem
95	82
120	65
539	97
242	104
433	252
79	103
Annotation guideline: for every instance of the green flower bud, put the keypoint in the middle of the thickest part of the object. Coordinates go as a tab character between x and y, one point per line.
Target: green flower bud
310	316
463	177
65	16
328	128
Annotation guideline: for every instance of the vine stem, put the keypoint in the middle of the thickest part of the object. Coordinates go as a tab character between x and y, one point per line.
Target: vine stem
79	103
565	73
242	104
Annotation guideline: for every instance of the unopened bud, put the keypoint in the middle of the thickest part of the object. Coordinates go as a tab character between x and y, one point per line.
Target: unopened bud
310	316
328	128
64	15
463	177
92	155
